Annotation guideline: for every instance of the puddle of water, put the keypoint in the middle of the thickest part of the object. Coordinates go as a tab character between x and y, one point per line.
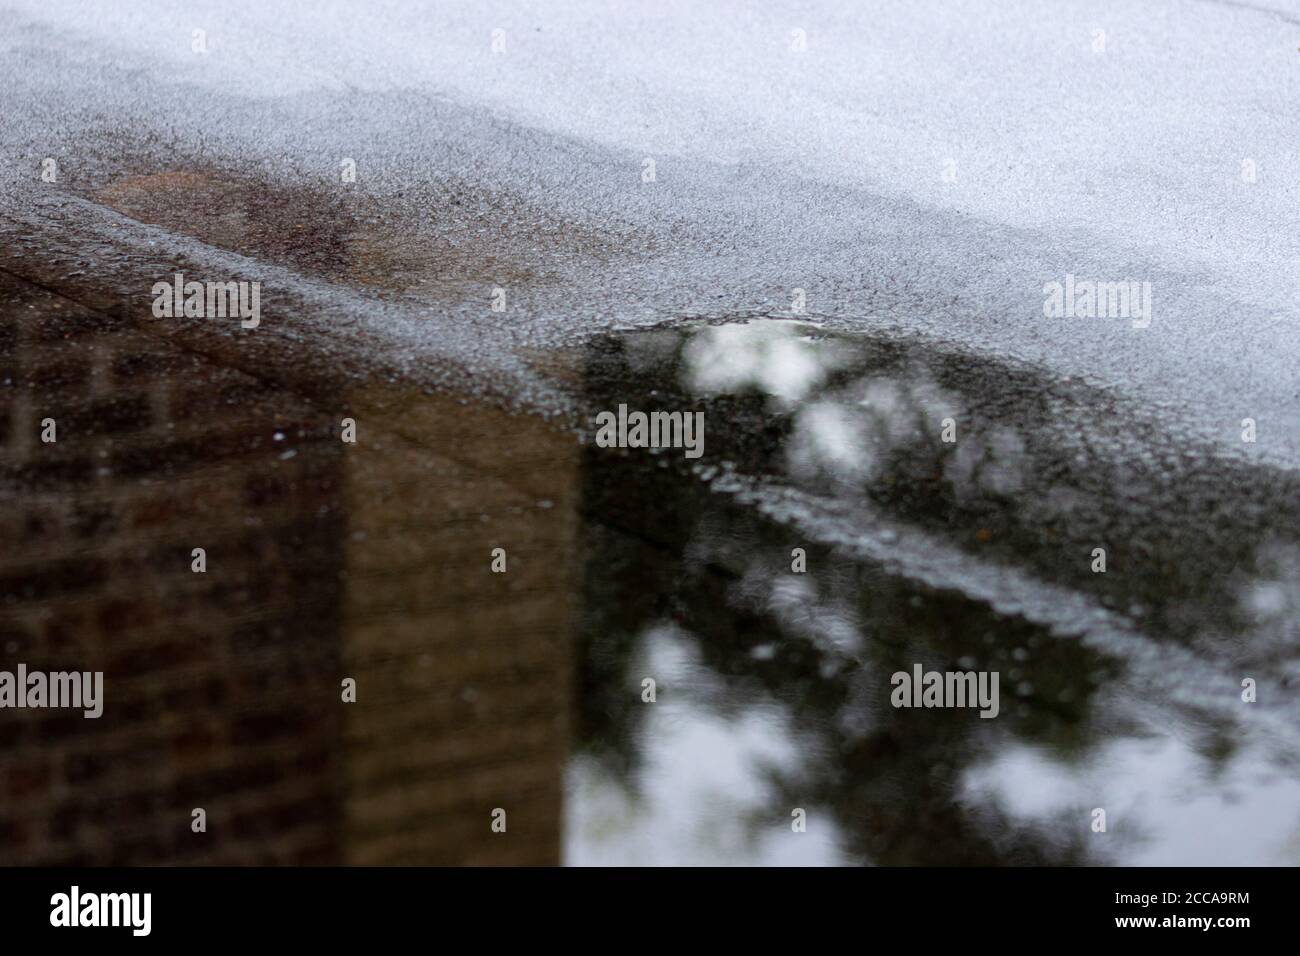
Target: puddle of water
523	690
1131	703
1040	472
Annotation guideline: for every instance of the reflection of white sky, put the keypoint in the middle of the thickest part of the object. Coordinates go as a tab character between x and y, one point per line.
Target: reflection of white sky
778	358
991	462
831	440
1271	601
1163	808
701	783
793	599
841	436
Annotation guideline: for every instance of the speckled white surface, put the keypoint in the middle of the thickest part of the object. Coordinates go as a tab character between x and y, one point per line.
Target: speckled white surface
821	169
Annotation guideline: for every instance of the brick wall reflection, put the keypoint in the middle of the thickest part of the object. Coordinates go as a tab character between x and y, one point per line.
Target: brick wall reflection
436	640
324	561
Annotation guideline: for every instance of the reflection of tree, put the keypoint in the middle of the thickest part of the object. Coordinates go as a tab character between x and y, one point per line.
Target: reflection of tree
889	777
890	786
1042	472
1018	487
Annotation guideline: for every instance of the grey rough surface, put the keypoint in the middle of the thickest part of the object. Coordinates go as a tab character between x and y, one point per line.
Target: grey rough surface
775	169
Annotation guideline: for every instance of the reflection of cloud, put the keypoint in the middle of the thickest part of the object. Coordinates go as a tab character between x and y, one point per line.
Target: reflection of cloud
778	358
703	792
792	599
907	409
988	463
1273	598
1165	804
1271	604
844	436
847	436
831	441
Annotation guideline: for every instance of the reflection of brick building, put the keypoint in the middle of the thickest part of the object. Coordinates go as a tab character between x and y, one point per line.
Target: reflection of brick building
466	673
324	560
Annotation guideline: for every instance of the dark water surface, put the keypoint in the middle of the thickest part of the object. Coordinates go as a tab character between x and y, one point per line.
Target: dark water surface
524	690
